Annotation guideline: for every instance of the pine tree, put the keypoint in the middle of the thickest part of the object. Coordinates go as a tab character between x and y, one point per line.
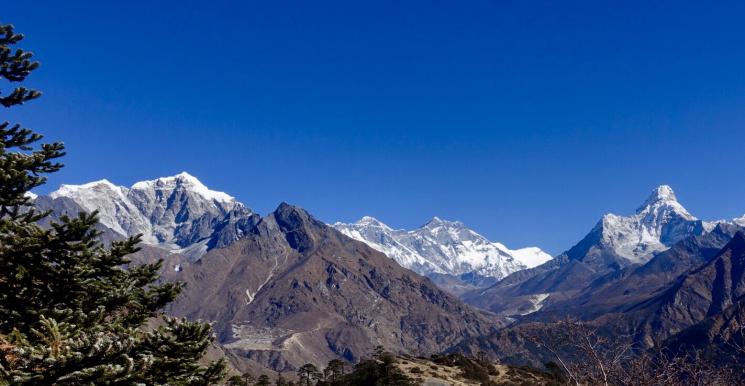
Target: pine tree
263	380
280	380
70	312
307	374
334	371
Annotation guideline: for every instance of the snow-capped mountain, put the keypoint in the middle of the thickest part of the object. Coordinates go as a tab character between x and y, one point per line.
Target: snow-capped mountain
178	213
443	247
739	221
657	224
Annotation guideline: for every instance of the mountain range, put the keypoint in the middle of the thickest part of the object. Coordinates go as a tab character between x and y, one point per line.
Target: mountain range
285	289
180	214
660	275
441	249
295	290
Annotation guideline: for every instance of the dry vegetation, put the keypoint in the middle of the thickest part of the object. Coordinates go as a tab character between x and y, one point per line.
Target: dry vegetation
460	370
585	357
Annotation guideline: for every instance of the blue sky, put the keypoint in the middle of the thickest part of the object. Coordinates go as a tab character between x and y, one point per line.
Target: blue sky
525	120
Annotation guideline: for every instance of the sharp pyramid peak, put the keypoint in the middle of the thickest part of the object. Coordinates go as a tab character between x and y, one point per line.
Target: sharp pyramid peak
663	196
662	193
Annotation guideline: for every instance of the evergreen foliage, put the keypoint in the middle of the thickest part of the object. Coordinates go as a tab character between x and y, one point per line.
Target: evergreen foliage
70	312
263	380
308	374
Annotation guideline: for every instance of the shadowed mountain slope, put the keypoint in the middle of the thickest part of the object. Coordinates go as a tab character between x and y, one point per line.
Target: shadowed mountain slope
294	290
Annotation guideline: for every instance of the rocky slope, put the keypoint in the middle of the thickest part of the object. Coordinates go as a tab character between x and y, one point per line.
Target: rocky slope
294	290
706	292
656	304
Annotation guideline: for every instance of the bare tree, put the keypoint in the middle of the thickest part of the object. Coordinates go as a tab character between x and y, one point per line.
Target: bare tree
585	356
589	358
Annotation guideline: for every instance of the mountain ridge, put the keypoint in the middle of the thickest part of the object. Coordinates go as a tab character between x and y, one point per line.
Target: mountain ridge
614	244
295	290
443	247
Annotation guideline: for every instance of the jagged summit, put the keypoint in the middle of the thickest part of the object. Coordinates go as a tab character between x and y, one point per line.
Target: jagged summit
438	222
182	180
176	212
662	193
443	247
663	199
186	181
657	224
368	220
435	220
289	212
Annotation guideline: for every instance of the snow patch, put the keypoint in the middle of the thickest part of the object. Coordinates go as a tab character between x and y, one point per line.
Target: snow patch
537	302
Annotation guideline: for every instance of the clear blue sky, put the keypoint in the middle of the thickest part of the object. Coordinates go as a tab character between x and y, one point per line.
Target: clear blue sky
525	120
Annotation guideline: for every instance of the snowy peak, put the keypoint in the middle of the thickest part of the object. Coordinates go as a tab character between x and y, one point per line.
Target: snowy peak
100	186
739	221
437	224
370	221
660	222
663	201
662	193
184	181
116	211
443	247
174	212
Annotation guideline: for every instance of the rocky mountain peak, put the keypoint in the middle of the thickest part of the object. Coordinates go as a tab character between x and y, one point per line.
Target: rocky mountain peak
657	224
438	222
183	181
443	247
297	225
662	200
662	193
369	221
291	217
177	212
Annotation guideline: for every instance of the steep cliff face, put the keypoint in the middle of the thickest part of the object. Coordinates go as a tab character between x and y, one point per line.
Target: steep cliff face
175	213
